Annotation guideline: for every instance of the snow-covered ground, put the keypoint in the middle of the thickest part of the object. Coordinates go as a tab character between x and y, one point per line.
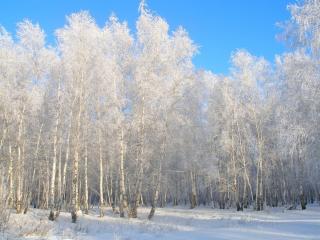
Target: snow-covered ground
171	223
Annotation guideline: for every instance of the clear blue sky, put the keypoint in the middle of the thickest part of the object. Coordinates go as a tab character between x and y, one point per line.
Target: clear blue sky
217	26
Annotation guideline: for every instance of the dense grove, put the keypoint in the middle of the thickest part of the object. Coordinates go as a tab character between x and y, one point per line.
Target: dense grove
110	117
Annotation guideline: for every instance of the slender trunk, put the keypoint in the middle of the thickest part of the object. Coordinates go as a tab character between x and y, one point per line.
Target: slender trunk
53	172
101	202
109	184
65	166
235	175
259	183
38	168
123	198
75	186
19	183
193	195
137	194
39	187
261	186
4	131
24	186
283	184
19	165
211	192
86	191
156	193
59	177
158	181
10	174
257	188
54	159
47	185
75	167
302	196
134	202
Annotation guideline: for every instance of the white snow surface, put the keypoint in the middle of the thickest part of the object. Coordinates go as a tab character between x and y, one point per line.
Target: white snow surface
170	223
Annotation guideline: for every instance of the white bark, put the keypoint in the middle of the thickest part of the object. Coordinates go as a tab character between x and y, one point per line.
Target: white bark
101	203
123	198
86	188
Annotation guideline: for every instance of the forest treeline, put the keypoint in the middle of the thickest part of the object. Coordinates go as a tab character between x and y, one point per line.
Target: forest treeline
112	118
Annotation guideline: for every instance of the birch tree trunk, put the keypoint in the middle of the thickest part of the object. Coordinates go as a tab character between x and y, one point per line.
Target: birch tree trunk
155	196
53	175
53	172
65	166
259	184
11	179
19	164
75	169
123	199
235	188
193	194
137	194
158	181
86	188
59	193
101	200
302	196
54	160
134	202
47	183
